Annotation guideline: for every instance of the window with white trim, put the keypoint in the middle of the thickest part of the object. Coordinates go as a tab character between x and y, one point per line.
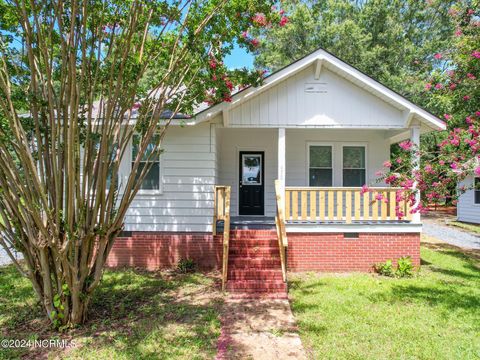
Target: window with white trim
354	166
151	181
320	167
476	191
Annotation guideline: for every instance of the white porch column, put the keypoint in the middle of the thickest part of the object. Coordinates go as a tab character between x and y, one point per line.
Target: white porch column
281	155
415	139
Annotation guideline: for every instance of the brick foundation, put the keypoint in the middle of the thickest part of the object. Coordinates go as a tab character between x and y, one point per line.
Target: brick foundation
333	252
155	250
306	251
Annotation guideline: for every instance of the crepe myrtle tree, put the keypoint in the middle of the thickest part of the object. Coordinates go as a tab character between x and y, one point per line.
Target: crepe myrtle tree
454	88
77	80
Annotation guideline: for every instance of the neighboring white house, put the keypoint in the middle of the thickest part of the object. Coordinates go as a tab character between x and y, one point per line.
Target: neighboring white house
468	206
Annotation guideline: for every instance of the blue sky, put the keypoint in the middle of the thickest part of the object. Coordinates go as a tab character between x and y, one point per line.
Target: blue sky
239	58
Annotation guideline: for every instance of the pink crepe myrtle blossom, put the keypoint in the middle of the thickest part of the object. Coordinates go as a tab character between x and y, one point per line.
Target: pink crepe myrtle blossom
379	197
476	54
471	76
387	164
438	86
447	116
452	86
136	106
255	42
428	86
281	12
470	12
391	178
428	168
477	113
437	56
458	32
454	166
406	145
477	171
398	160
283	21
466	98
379	173
260	19
244	34
364	189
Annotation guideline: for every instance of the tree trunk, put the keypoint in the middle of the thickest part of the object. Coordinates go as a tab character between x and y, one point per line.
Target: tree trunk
65	280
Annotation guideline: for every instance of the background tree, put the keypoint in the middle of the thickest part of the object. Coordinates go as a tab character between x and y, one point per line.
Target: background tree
92	74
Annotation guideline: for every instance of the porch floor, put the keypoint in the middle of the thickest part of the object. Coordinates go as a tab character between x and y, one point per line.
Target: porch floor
268	222
249	222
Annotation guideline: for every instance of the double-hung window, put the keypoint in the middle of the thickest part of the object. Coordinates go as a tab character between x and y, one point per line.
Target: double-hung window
476	190
354	166
320	166
152	180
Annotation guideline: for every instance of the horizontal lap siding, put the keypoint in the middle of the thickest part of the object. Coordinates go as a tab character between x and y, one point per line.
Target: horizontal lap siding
333	252
467	210
188	168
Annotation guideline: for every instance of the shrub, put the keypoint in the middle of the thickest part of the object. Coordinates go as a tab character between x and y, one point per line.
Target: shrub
385	269
405	267
186	266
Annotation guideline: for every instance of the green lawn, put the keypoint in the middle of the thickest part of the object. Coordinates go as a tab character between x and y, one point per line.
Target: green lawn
435	315
465	226
134	315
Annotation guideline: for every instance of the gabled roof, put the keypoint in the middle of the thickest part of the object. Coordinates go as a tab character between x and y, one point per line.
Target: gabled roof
322	58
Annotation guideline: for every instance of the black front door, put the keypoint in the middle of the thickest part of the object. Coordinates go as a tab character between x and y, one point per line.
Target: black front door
251	187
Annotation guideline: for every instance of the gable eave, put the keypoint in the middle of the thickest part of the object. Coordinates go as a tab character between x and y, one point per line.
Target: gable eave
323	58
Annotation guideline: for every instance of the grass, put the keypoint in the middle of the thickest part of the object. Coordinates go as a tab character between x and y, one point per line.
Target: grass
435	315
466	226
134	315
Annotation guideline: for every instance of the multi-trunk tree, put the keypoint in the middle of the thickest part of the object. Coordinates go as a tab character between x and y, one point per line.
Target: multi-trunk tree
78	79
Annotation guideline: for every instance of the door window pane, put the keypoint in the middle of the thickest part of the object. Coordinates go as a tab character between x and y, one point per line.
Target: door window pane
251	169
354	166
320	166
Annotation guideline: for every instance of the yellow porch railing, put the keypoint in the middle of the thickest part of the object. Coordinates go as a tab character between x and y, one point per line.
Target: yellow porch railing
344	204
221	206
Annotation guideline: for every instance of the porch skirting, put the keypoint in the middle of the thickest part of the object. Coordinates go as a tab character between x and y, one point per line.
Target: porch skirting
333	252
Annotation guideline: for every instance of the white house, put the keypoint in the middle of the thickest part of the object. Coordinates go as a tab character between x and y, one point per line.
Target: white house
322	128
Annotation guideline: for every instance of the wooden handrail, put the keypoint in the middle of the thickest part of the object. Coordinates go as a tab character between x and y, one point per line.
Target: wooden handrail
221	211
345	204
280	225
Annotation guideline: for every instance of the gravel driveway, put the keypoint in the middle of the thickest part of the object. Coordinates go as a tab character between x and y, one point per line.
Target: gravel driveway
436	229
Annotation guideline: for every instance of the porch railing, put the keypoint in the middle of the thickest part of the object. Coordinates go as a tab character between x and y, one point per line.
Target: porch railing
344	204
280	225
221	206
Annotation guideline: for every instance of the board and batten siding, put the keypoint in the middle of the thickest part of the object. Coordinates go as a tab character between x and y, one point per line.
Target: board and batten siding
188	173
467	210
334	102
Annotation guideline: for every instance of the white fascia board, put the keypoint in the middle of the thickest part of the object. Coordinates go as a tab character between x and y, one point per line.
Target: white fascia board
356	228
